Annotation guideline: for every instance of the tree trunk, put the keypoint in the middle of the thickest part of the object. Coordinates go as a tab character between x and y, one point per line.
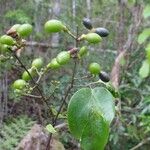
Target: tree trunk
88	3
56	13
125	43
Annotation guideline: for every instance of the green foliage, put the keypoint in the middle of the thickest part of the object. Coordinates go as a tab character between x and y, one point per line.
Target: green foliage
145	69
146	12
50	129
18	16
90	112
12	132
144	35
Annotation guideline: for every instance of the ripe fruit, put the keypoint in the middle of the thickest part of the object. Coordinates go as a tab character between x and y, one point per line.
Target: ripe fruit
53	26
8	40
26	76
104	76
87	23
37	63
93	38
83	51
19	84
63	57
102	32
25	30
94	68
53	64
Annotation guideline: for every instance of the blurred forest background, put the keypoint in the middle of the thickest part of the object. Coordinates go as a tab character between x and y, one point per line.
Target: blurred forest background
121	54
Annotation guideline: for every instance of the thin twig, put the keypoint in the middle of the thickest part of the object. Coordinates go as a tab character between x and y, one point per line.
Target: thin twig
32	96
62	104
37	85
141	143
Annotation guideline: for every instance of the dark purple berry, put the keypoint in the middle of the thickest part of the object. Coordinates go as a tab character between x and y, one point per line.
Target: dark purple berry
104	76
102	32
87	23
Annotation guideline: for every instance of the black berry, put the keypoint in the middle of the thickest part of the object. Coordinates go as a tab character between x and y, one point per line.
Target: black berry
104	76
102	32
87	23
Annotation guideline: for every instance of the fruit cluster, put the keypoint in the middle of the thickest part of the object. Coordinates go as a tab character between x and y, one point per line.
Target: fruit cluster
13	41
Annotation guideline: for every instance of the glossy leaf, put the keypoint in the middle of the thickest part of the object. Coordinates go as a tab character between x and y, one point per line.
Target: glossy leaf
82	104
95	133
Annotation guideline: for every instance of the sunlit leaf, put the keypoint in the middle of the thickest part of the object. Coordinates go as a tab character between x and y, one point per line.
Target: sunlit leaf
146	12
144	36
148	52
50	129
144	70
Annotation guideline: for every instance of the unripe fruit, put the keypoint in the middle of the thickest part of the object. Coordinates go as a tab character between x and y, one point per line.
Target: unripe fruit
19	84
25	30
53	26
16	27
4	48
87	23
94	68
92	38
104	76
102	32
26	76
83	51
63	57
53	64
8	40
17	91
37	63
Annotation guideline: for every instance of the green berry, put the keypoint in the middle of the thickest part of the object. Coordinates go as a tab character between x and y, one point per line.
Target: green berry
53	26
83	51
63	57
53	64
8	40
16	27
94	68
4	48
26	76
19	84
25	30
37	63
93	38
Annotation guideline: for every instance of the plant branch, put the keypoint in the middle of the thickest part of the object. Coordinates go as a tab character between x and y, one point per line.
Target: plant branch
141	143
37	85
62	104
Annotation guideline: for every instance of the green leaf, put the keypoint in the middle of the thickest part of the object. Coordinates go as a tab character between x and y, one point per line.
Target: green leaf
82	104
148	52
18	15
144	36
50	129
95	133
146	12
145	69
